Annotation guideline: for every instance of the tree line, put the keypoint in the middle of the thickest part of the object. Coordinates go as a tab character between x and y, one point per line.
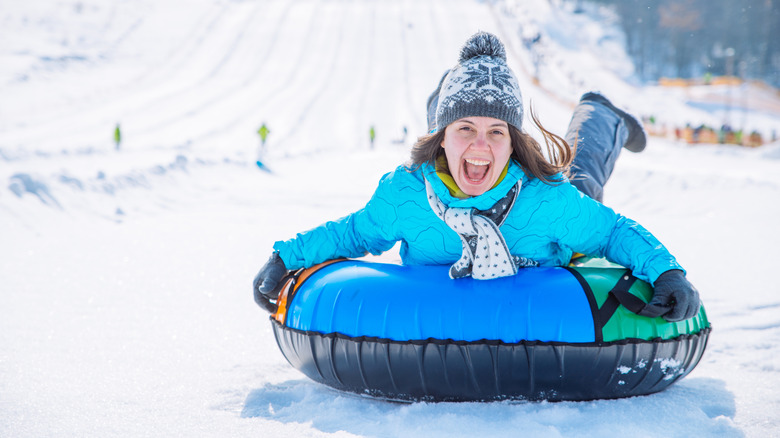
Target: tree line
695	38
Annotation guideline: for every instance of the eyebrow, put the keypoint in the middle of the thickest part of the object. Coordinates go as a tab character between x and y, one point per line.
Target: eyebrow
501	123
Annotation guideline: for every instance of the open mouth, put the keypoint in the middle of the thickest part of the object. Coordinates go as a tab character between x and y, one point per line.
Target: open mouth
475	169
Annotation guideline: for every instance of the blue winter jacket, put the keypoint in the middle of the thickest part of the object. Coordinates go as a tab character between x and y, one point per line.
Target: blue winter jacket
547	224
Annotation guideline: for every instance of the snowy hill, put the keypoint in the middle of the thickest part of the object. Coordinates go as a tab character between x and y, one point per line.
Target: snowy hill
125	307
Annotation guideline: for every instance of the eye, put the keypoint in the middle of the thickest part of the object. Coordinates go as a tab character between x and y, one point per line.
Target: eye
498	132
465	128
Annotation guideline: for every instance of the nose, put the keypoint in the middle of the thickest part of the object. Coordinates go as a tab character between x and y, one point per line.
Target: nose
480	141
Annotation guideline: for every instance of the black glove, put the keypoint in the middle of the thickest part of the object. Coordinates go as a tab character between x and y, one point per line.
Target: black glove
674	297
268	282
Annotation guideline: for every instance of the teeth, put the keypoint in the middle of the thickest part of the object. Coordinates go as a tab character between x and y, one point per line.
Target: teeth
476	162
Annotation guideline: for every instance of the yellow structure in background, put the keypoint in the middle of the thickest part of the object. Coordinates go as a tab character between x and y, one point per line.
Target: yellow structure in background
711	80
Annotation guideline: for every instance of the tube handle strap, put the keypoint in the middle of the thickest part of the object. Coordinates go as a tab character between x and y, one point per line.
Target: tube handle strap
619	295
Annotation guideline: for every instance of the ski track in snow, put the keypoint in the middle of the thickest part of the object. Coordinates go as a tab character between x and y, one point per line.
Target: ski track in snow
125	307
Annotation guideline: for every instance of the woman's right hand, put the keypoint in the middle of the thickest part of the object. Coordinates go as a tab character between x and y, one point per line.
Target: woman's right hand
268	281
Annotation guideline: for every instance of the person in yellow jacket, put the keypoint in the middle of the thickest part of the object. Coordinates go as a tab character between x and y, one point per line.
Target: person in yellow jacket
263	133
117	137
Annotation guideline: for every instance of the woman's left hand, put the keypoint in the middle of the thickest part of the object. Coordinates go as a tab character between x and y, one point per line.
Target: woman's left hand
674	298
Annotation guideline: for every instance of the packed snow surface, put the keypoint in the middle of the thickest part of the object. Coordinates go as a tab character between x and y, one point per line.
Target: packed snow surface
125	272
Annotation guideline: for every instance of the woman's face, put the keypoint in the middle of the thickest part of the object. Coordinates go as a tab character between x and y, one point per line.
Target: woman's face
477	150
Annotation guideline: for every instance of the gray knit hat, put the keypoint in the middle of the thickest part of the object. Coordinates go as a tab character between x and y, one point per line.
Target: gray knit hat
433	104
480	85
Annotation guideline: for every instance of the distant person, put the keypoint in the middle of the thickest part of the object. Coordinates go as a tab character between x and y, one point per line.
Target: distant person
263	133
372	135
117	137
480	196
404	135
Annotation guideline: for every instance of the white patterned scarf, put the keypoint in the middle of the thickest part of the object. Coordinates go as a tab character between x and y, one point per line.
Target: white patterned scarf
485	252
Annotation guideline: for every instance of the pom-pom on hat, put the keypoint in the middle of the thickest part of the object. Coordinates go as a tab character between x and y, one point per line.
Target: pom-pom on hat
480	85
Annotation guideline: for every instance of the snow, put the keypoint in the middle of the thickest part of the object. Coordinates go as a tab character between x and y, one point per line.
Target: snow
125	305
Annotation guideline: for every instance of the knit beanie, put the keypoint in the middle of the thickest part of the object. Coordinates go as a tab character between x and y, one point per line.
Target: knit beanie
481	84
433	104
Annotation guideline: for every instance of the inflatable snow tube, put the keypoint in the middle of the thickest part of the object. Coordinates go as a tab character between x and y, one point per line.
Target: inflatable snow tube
409	333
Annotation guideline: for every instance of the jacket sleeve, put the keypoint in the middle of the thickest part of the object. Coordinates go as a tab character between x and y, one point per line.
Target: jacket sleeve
591	228
369	230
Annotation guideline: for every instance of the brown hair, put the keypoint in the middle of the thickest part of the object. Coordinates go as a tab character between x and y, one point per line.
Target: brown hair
525	150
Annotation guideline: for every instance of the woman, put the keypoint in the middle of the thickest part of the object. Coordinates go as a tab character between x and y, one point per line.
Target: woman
479	194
